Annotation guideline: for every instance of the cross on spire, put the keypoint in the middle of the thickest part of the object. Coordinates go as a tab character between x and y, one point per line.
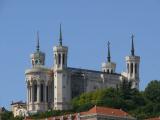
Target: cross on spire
109	54
132	49
37	46
60	36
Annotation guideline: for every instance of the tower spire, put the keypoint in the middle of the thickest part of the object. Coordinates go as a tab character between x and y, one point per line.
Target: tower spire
109	54
60	36
132	49
37	46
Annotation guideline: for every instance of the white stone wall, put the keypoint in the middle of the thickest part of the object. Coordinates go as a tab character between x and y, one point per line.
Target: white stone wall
94	80
61	91
38	76
62	87
132	70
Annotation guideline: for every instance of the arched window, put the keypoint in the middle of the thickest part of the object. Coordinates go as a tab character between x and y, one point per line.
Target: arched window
35	92
30	95
63	59
36	61
131	67
136	68
47	93
41	92
107	70
59	58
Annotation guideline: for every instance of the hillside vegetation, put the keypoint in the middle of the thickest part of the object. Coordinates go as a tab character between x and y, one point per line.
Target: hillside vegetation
140	104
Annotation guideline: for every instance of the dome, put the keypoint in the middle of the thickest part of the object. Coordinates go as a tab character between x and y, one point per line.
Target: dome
38	58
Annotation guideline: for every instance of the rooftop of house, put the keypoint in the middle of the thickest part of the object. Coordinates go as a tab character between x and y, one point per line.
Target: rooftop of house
18	102
105	111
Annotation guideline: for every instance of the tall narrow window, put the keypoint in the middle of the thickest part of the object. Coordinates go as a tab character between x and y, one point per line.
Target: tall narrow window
63	57
136	68
108	71
131	67
30	95
41	92
128	68
47	93
59	58
35	92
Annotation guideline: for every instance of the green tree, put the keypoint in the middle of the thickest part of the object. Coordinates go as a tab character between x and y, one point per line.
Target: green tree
125	89
7	115
152	91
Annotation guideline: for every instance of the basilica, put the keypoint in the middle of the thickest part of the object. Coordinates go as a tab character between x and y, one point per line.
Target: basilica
54	88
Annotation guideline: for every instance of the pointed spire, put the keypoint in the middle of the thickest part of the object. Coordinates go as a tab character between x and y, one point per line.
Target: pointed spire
109	54
37	47
132	49
60	36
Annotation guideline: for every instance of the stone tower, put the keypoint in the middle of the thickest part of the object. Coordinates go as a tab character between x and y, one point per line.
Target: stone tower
109	67
39	83
132	63
62	88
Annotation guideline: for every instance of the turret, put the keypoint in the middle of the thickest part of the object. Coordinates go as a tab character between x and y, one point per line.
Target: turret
62	90
109	67
132	63
38	57
39	83
60	54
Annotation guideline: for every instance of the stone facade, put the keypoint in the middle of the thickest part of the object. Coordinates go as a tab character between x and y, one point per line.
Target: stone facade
53	88
19	109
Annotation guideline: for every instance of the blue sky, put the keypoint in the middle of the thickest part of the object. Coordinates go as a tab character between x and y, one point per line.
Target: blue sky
87	26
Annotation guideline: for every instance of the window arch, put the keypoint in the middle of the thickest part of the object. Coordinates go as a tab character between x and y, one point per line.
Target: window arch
107	70
30	94
63	58
59	58
41	92
47	93
35	92
136	68
131	67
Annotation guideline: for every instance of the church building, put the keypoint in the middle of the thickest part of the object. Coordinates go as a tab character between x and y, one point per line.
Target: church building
54	88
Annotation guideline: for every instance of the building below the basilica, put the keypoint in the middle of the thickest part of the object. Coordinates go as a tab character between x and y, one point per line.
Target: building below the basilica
53	88
95	113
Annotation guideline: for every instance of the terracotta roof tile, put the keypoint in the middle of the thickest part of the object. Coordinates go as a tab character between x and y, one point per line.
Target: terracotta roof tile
105	111
97	110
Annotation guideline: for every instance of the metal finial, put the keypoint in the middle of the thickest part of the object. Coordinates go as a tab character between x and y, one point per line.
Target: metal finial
60	36
109	54
37	47
132	49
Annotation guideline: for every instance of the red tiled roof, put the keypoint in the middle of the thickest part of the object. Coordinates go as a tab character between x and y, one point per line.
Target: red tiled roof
105	111
97	110
157	118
